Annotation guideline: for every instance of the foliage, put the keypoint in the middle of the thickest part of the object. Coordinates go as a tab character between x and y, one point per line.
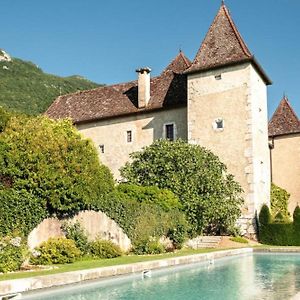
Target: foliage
19	210
279	201
143	220
264	215
12	254
149	246
4	118
296	217
76	233
150	194
55	251
209	196
281	233
104	249
24	87
50	160
239	239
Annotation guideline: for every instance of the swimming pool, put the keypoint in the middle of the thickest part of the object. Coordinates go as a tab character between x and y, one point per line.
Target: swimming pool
253	276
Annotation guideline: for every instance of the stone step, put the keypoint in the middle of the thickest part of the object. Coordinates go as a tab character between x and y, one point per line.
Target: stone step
204	242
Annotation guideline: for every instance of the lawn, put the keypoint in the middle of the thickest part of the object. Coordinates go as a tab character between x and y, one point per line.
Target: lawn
92	263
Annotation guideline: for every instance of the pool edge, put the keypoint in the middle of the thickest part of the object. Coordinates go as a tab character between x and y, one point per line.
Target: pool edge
55	280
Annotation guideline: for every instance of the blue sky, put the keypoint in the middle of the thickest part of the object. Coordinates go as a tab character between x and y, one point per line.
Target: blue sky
105	41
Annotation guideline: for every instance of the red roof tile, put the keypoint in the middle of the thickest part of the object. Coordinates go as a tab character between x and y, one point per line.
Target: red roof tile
223	45
167	90
284	120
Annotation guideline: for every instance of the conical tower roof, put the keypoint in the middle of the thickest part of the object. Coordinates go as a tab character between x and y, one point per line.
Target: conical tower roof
284	119
223	45
179	64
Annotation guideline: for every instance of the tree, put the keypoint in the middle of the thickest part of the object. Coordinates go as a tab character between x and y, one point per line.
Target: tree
51	161
209	195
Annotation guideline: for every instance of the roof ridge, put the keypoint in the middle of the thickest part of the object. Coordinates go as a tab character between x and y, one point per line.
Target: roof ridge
236	31
187	62
286	100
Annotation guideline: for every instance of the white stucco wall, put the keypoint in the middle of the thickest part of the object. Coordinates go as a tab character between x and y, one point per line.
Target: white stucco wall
145	129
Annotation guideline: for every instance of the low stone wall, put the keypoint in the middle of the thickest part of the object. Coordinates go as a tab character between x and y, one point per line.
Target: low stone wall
96	225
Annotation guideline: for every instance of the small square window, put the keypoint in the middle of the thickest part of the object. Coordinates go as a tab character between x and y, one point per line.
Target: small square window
170	132
219	124
218	77
101	147
129	136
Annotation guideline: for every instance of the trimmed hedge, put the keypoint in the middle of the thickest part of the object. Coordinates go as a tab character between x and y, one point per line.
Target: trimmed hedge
279	233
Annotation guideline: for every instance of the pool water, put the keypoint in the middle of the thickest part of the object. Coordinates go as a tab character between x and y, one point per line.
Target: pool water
257	276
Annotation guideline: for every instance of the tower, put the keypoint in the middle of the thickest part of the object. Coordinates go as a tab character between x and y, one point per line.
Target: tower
227	111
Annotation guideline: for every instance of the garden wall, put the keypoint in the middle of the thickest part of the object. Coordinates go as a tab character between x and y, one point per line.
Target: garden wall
96	224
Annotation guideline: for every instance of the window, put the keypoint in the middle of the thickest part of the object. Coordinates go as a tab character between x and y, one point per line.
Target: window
101	147
218	124
170	132
218	77
129	136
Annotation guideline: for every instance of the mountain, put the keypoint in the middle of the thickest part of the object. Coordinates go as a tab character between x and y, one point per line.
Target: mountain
25	88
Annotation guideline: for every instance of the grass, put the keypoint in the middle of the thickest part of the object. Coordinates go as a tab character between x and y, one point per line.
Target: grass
239	239
92	263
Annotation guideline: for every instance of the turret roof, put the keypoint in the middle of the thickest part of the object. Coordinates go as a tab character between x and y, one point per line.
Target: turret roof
284	120
223	45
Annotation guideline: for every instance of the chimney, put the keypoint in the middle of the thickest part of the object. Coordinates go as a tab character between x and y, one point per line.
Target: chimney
143	86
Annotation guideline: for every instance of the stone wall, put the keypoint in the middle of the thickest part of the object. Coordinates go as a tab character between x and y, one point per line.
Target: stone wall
145	128
237	95
285	158
96	224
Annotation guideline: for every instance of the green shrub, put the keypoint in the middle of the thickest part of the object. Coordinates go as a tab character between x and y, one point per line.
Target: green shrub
279	218
148	246
210	197
76	233
19	210
264	215
279	201
50	160
141	220
239	239
104	249
12	254
151	195
55	251
280	232
296	217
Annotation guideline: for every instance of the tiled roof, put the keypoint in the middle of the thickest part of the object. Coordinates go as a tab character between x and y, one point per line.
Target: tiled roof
284	120
223	45
167	90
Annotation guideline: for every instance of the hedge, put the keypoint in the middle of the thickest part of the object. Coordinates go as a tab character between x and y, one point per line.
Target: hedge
278	233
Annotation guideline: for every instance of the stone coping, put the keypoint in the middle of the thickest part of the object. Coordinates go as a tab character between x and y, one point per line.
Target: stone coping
55	280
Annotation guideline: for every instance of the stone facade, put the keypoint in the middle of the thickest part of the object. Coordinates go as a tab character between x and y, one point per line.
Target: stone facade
285	157
237	96
111	134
